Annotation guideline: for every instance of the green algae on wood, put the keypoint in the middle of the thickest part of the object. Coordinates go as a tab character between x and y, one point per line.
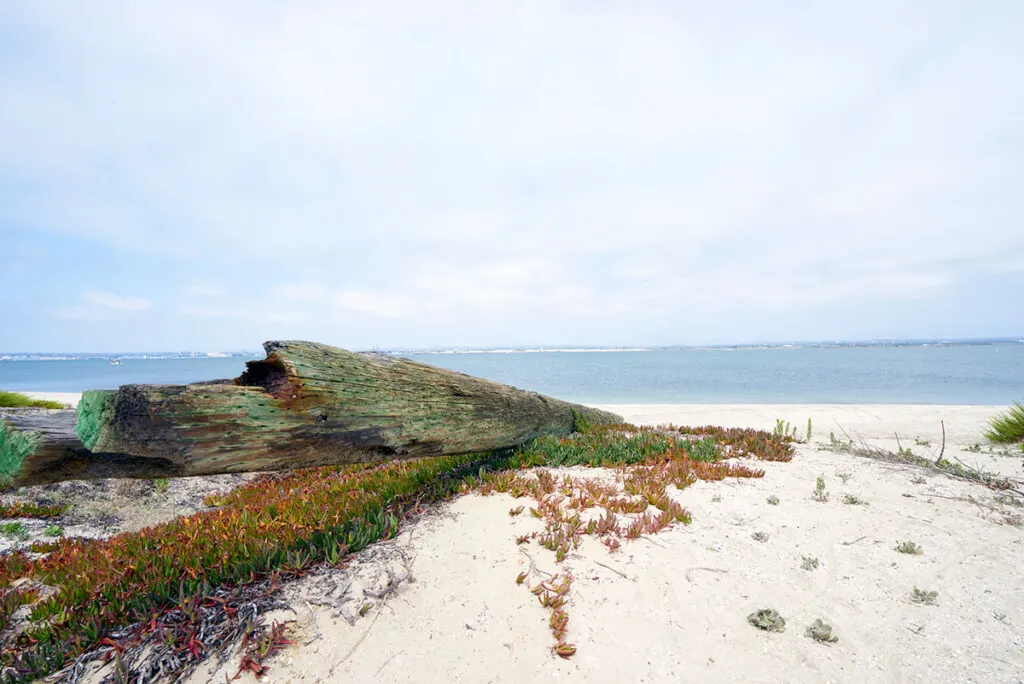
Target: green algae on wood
309	404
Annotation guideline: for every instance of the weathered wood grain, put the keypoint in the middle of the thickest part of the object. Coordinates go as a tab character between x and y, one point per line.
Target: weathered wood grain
306	404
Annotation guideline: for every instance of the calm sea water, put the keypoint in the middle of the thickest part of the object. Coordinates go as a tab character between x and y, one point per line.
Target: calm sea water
983	374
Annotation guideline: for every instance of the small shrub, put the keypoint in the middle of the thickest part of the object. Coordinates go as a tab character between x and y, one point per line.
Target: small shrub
809	563
845	477
21	509
773	500
1007	427
14	530
929	598
783	429
838	444
161	484
974	448
54	531
821	632
820	494
854	500
909	547
760	536
922	442
808	429
716	498
767	619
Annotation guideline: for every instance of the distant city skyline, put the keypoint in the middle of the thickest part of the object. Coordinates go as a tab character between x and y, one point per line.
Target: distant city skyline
209	176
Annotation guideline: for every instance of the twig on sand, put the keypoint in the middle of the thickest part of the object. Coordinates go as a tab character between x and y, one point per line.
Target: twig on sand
361	638
943	449
316	627
689	570
741	522
620	574
965	472
390	658
533	565
851	543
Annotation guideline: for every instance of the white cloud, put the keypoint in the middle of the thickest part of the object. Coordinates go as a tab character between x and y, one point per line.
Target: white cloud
109	300
103	306
532	162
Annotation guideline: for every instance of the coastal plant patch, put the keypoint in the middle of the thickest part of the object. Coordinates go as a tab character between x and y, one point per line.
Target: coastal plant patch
821	631
820	495
19	400
14	530
114	596
929	598
22	509
646	463
910	548
768	620
809	563
1007	427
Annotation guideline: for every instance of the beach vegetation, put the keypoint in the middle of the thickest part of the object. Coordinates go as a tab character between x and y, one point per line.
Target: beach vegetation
784	430
809	563
929	598
54	531
103	595
845	477
821	632
760	536
909	547
974	448
28	509
19	400
820	495
852	500
14	530
808	430
837	444
161	484
767	619
1008	427
773	500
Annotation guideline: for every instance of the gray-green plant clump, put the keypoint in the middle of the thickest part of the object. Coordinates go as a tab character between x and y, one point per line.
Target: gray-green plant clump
820	494
767	619
910	548
821	632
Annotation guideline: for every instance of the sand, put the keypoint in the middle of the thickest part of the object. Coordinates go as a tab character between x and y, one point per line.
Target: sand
674	607
69	398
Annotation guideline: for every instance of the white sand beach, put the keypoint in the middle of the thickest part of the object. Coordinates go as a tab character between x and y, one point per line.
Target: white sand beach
674	607
440	602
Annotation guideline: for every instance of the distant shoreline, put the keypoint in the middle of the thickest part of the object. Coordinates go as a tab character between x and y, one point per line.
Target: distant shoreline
536	349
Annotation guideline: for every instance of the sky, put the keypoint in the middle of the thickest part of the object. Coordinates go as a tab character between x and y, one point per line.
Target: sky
207	176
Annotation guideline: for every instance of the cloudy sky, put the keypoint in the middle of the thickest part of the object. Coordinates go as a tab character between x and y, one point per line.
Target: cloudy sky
196	175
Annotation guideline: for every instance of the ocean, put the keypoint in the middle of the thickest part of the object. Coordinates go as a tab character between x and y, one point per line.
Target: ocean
969	374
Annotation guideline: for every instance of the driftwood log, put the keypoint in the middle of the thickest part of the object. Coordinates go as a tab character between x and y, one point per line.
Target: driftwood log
306	404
